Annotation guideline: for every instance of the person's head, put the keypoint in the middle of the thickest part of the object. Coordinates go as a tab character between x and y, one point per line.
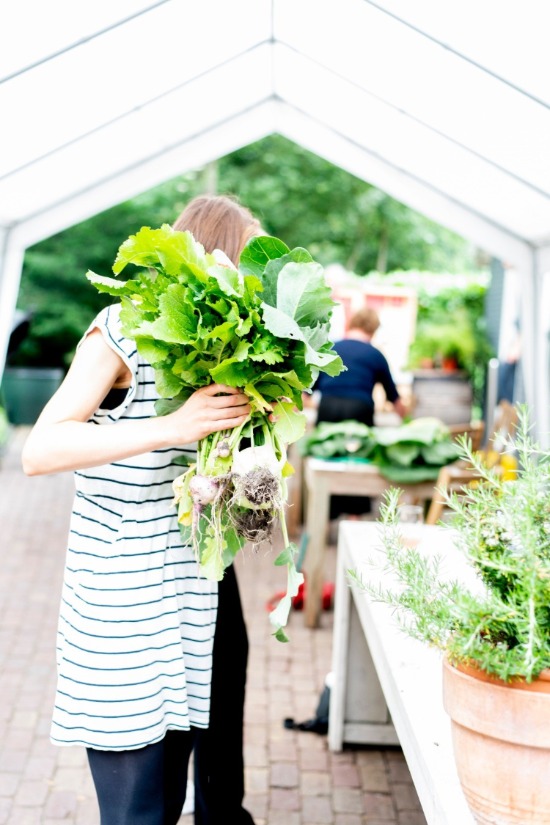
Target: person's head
219	222
366	320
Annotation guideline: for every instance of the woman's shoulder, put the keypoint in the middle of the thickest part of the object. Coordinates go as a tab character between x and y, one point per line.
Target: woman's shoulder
108	322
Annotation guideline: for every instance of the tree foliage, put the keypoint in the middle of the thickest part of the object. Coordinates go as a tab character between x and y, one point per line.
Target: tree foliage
298	196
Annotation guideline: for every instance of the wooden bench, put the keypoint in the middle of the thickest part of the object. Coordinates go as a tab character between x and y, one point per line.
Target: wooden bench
386	686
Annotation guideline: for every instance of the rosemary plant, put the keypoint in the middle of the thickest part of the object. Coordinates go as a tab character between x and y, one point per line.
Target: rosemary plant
502	625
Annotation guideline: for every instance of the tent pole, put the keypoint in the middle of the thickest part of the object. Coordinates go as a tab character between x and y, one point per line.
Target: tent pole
534	349
11	264
541	340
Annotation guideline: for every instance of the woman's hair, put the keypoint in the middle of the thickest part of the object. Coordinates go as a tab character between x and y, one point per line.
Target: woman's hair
219	222
366	320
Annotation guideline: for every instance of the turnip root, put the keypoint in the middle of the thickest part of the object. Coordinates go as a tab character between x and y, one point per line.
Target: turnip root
258	489
256	526
223	449
203	489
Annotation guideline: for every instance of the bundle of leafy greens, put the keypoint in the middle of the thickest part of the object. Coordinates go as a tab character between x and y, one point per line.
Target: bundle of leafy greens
406	454
263	328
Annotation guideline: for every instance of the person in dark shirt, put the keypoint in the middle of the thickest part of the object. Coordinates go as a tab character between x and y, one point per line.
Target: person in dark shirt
349	395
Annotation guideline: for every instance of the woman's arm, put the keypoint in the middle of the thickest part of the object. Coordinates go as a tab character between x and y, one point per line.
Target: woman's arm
62	438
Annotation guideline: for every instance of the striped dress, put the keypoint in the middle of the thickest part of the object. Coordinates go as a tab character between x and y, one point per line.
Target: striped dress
136	625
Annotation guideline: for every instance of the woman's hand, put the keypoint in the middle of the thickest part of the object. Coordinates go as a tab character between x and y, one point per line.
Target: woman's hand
209	410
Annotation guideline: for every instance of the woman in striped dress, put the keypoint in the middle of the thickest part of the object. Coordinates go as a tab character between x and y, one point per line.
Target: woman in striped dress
137	624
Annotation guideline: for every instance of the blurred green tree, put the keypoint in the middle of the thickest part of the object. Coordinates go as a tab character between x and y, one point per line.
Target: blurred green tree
299	197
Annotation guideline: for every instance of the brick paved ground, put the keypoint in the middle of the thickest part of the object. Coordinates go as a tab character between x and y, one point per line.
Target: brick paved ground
292	778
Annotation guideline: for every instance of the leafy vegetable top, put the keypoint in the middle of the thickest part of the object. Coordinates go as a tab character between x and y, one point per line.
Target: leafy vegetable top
197	319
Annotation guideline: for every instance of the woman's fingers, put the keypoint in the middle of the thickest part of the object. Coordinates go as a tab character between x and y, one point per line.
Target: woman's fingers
228	423
210	409
221	396
217	389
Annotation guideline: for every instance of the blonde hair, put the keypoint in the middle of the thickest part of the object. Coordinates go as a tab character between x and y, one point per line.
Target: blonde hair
366	320
219	222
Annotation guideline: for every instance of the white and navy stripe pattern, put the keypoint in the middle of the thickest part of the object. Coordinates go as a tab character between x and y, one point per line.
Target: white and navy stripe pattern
136	626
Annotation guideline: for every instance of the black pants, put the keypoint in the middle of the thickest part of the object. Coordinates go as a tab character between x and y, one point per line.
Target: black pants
144	786
218	757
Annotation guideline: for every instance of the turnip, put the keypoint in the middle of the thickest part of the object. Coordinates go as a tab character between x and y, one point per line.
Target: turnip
203	489
224	450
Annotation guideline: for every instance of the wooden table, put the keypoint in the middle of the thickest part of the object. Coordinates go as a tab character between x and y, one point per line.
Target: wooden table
326	478
386	686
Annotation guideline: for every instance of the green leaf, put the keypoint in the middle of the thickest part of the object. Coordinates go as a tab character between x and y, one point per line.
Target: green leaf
422	430
288	423
408	475
280	635
271	275
402	453
287	555
228	279
167	384
211	554
234	543
140	249
440	452
237	368
110	285
303	295
258	252
283	326
252	391
177	322
154	352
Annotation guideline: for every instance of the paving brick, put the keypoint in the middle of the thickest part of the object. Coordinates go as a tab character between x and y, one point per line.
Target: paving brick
283	751
392	821
8	784
373	770
398	770
257	780
317	809
257	804
315	760
5	808
286	799
379	805
61	805
405	796
283	818
255	756
347	800
411	818
345	775
284	775
348	819
24	816
31	792
314	783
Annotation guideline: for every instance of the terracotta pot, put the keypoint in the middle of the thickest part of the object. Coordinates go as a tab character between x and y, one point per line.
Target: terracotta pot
449	364
501	740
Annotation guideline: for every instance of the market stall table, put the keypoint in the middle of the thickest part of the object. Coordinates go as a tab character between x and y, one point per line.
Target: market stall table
387	687
324	478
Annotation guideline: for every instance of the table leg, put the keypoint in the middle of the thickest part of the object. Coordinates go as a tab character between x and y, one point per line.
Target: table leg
340	638
317	525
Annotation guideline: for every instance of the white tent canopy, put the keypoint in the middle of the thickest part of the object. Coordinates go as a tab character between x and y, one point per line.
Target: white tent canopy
444	106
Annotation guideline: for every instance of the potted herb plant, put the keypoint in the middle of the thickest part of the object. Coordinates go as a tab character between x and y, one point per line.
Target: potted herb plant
494	631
